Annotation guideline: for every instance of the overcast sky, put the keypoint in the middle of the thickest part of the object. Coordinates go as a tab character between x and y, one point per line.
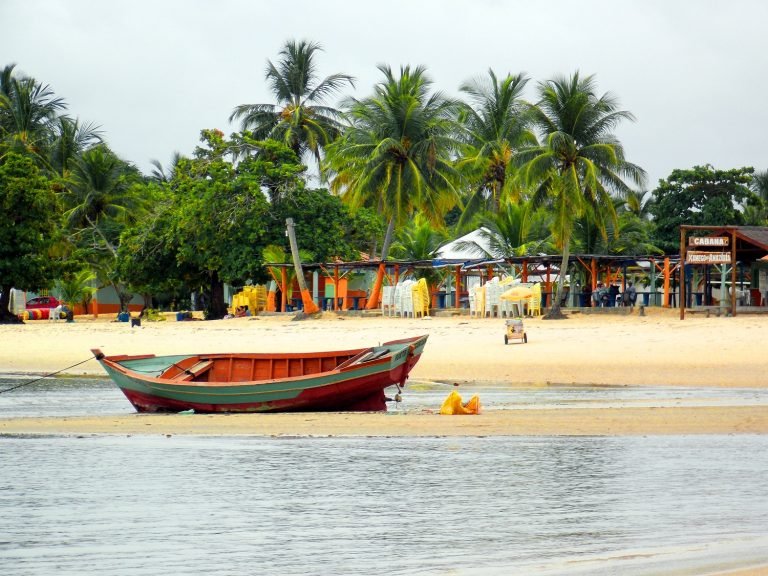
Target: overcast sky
154	73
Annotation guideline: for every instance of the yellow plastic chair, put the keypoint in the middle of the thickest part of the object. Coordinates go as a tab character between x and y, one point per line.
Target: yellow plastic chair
420	298
534	303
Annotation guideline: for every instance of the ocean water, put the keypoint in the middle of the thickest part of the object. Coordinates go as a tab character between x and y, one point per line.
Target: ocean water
193	505
149	505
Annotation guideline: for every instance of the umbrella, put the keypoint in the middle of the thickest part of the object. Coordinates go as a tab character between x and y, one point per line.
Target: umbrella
517	293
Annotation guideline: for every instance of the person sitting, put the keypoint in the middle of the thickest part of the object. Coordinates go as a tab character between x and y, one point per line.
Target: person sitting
240	312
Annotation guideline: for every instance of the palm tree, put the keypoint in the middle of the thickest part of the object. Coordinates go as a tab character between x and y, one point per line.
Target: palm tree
396	155
160	174
419	240
69	140
77	288
581	163
520	229
756	212
300	119
28	111
100	203
496	124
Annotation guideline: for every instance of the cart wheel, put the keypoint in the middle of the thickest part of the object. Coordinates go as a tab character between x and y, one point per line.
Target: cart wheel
525	338
506	339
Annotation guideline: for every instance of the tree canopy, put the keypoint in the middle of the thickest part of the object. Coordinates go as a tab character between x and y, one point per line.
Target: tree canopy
700	196
27	230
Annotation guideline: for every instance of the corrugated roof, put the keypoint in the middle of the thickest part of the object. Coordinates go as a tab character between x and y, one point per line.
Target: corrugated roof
757	235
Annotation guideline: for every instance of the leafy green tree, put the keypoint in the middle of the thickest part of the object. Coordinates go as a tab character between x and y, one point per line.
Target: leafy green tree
396	156
220	219
147	250
324	223
496	124
27	229
580	163
301	119
701	196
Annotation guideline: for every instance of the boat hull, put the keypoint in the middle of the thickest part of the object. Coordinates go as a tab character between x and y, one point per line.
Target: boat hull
356	384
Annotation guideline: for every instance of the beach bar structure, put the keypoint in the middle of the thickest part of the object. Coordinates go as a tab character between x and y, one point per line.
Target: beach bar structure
459	274
710	254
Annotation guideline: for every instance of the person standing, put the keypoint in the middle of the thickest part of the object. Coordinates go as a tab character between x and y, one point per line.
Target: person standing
632	294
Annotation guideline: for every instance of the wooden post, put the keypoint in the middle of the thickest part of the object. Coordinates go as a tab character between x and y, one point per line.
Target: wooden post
524	271
682	272
548	297
457	296
665	303
283	289
594	274
309	305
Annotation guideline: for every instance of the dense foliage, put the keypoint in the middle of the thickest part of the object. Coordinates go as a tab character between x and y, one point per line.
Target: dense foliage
404	164
27	230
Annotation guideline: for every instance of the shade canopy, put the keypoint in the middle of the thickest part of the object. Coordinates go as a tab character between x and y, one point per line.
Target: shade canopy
517	293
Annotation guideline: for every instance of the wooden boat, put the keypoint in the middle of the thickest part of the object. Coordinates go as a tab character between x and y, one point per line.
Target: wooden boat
260	382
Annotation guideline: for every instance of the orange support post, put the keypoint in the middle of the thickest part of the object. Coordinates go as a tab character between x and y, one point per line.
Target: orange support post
665	303
373	303
336	288
524	271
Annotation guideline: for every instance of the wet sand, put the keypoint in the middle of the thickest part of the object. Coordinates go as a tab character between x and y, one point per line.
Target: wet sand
525	422
655	350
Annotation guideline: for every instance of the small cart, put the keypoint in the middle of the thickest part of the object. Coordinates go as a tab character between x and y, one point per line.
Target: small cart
515	331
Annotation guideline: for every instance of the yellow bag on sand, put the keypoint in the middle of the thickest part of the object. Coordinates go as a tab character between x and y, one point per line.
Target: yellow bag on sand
452	405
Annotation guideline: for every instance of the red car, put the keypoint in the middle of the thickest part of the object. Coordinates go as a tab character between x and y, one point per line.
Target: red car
42	302
40	308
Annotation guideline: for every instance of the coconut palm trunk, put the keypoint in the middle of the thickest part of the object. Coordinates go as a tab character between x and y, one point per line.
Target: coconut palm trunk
375	297
306	298
555	313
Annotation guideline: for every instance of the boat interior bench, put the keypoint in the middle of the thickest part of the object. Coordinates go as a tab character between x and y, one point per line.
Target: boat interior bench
193	371
365	356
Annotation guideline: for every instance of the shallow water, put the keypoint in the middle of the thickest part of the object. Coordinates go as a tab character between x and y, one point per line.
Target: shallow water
99	396
189	505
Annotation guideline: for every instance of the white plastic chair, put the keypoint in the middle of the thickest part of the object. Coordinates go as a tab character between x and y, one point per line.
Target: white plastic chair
492	301
406	299
388	300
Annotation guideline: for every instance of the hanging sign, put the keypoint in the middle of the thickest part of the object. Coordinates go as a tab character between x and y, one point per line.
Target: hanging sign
694	257
708	241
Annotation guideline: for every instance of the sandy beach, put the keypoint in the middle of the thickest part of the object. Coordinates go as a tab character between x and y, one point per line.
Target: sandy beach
653	350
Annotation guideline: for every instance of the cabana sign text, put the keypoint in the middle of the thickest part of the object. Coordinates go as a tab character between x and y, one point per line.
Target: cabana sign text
708	241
